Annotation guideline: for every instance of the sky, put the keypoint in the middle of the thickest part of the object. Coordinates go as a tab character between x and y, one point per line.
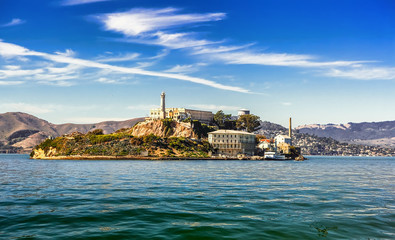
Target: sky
86	61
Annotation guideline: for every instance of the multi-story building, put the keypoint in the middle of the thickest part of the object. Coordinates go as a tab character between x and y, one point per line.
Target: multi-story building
232	143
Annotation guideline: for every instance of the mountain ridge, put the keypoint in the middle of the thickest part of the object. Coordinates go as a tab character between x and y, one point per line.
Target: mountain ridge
371	133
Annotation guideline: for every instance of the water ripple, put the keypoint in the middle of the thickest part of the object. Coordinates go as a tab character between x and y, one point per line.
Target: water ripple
333	198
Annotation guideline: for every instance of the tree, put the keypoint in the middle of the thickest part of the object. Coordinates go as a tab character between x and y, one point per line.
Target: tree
248	122
220	118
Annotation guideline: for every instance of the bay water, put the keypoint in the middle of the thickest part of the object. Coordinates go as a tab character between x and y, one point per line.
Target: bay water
321	198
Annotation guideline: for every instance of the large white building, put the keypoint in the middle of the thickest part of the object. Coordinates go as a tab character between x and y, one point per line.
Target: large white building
232	143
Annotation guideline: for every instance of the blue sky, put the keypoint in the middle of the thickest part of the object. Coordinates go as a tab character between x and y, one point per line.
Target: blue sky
85	61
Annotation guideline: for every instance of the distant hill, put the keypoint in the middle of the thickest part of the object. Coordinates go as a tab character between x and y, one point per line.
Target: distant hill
20	132
369	133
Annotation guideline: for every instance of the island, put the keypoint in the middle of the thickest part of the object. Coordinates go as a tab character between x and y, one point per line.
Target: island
175	133
156	139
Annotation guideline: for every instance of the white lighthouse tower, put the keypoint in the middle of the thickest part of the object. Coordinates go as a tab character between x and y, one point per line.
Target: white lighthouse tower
162	106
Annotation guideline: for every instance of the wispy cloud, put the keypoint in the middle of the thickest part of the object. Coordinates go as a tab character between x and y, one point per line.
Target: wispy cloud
13	22
364	73
152	20
118	58
26	107
166	27
79	2
155	26
232	55
67	53
18	72
9	83
189	68
213	107
107	81
9	49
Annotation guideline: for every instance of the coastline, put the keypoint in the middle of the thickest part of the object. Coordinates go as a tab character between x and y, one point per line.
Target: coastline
81	157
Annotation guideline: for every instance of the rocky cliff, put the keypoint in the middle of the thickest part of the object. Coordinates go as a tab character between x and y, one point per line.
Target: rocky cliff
163	129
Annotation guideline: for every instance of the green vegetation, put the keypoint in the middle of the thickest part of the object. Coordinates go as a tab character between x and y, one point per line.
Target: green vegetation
224	121
201	129
121	143
248	122
168	126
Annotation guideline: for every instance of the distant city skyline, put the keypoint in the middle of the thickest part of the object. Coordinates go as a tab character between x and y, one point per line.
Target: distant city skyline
86	61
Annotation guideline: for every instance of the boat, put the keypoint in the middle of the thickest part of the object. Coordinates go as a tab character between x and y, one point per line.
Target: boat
274	156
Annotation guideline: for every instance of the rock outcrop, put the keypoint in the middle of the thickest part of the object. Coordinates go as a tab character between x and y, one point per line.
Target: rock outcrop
161	129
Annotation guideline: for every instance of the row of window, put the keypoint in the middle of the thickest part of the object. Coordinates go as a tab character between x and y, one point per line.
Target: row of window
231	136
227	146
224	141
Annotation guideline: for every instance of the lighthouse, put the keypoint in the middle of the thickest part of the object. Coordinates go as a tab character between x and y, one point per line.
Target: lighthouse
162	106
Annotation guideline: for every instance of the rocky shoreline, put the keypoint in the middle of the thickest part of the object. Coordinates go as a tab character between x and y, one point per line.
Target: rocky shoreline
90	157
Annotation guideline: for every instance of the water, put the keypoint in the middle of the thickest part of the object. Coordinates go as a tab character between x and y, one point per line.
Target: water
322	198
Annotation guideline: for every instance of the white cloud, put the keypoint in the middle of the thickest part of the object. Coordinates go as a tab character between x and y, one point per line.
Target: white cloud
13	22
185	68
12	67
218	49
18	50
119	58
9	83
79	2
141	20
364	73
67	53
229	56
18	73
155	26
9	50
152	26
213	107
44	73
26	107
178	40
106	80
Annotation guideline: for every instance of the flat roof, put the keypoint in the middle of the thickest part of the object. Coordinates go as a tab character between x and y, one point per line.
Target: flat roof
223	131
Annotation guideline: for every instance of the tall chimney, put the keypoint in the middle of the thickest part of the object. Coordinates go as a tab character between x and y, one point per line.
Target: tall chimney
290	129
162	106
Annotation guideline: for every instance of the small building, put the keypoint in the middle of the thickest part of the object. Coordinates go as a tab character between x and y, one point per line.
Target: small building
283	143
243	112
232	143
266	144
282	139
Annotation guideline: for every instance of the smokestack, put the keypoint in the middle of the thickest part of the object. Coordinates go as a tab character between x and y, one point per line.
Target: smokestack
290	129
